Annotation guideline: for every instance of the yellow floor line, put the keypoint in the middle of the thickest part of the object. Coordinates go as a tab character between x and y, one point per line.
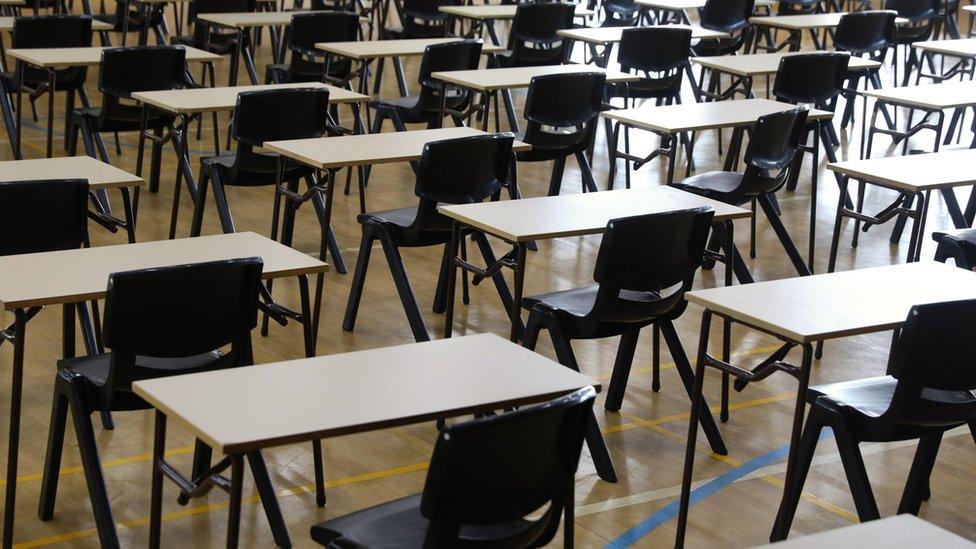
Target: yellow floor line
669	365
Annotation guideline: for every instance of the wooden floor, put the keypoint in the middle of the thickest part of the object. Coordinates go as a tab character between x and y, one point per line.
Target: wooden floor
646	438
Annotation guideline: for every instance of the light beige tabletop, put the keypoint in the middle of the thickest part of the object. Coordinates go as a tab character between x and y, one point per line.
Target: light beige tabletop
610	35
897	532
496	11
824	306
945	95
99	174
70	276
87	57
7	24
799	22
196	100
680	5
703	116
578	214
244	19
369	149
962	47
12	2
309	399
520	77
372	49
759	64
916	172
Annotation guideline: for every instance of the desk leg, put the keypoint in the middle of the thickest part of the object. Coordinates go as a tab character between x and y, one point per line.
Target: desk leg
726	323
921	214
235	60
130	214
156	500
52	85
451	278
798	413
307	323
814	181
248	56
236	489
672	155
18	82
181	147
13	443
519	279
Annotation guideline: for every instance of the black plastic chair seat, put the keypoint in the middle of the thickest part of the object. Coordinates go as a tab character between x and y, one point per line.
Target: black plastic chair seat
866	399
402	221
530	57
220	43
575	304
409	111
962	236
255	169
399	524
126	119
721	186
549	145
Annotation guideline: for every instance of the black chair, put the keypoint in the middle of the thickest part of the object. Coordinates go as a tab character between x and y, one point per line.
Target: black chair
774	144
212	38
620	13
43	216
922	16
562	111
421	19
436	98
959	245
51	31
869	33
125	71
928	390
729	16
645	265
307	64
158	322
660	56
485	478
136	19
454	171
533	40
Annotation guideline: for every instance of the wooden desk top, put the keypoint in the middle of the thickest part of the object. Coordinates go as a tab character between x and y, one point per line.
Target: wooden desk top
72	276
375	148
308	399
196	100
86	57
825	306
372	49
799	22
7	23
962	47
610	35
496	11
680	5
946	95
12	3
897	532
244	19
760	64
577	214
520	77
703	116
916	172
99	174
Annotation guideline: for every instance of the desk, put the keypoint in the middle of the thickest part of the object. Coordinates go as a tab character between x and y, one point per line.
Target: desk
307	400
931	99
67	278
897	532
963	49
679	8
7	24
100	176
486	15
51	59
489	82
187	103
608	36
807	310
795	25
914	177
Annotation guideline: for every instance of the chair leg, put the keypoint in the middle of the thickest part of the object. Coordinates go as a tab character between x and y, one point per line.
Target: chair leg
918	478
530	337
202	455
784	236
857	475
556	178
656	358
52	459
409	301
589	184
220	200
794	483
440	294
501	286
319	473
621	370
358	279
262	481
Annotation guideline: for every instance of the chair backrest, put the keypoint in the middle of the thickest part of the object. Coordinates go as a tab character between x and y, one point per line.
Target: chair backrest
52	31
797	7
814	78
327	26
648	253
141	68
916	11
620	13
464	170
933	351
536	24
202	29
865	32
654	49
43	215
773	143
423	18
278	114
503	468
178	312
564	100
727	15
457	55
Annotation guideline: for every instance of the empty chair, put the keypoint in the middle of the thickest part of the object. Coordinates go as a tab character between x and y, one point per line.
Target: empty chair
958	245
797	7
927	391
158	322
790	7
864	33
260	116
486	477
769	161
533	39
562	111
730	16
428	107
421	19
922	16
644	267
43	216
619	13
212	38
307	63
453	171
139	20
